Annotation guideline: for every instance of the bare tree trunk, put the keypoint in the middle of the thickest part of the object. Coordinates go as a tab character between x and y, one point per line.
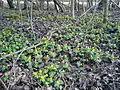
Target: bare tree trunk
72	8
105	11
38	5
25	4
18	4
1	4
57	3
41	4
48	5
83	8
1	9
10	3
76	5
90	3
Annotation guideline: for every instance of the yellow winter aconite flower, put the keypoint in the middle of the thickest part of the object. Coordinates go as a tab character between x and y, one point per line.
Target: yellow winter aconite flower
56	34
42	77
55	68
51	66
112	56
29	58
52	42
35	73
51	78
76	49
36	50
63	71
97	41
46	83
94	43
51	53
93	50
45	70
65	46
27	41
46	57
46	75
88	48
57	82
40	71
17	43
58	47
6	74
44	38
76	40
66	63
19	39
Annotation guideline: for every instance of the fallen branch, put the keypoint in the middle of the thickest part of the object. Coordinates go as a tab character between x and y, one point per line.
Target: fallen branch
87	11
13	70
115	3
14	53
90	9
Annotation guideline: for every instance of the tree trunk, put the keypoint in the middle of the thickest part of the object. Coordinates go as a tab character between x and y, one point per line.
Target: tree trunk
1	4
72	8
76	5
38	5
90	3
25	4
105	10
10	3
41	4
83	8
48	5
100	6
57	3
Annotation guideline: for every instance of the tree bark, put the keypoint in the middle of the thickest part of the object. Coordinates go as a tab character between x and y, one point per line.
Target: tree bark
1	4
72	8
38	5
10	3
105	11
25	4
90	3
56	2
41	4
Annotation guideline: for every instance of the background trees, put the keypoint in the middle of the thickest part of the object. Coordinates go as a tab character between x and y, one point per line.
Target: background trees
76	5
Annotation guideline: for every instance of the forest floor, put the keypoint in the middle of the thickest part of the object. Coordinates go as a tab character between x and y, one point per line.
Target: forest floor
56	52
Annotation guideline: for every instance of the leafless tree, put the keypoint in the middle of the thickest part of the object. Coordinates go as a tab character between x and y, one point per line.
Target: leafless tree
72	8
105	10
1	4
